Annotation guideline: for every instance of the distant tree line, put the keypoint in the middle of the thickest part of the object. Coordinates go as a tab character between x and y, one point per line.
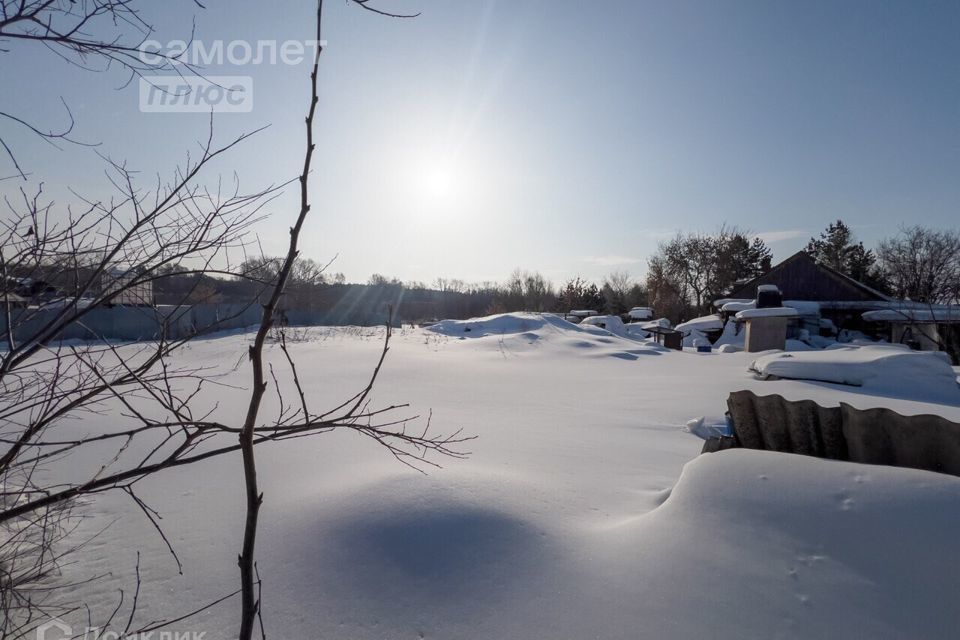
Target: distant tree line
311	288
685	275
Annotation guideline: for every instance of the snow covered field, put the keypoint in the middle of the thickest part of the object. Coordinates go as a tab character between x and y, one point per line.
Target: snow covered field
584	510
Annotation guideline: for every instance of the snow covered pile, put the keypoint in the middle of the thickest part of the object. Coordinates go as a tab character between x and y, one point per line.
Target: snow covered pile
797	547
659	322
641	329
695	331
613	324
734	334
702	324
694	338
882	367
501	324
640	313
515	333
634	330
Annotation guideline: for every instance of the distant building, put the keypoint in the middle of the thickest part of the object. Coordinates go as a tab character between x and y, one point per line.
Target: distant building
638	314
933	328
13	300
35	291
139	294
828	302
577	316
841	299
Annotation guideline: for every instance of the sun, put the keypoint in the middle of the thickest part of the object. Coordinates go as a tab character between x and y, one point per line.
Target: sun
438	183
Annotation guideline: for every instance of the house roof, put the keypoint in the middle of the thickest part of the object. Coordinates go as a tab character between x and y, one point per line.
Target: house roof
800	277
933	313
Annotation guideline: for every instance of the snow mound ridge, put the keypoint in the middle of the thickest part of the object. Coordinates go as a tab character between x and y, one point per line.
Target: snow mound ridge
516	333
507	324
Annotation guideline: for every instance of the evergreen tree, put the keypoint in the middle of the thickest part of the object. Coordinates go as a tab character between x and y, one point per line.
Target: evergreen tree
832	247
578	294
838	249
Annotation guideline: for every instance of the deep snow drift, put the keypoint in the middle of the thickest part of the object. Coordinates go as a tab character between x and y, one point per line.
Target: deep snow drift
567	521
893	370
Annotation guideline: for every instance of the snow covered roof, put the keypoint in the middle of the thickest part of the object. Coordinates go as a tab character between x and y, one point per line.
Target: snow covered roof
803	307
737	305
724	301
875	305
641	313
857	283
613	324
658	323
712	322
768	312
800	276
942	315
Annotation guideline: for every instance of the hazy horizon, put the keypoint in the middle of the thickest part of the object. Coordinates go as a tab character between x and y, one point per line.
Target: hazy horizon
482	137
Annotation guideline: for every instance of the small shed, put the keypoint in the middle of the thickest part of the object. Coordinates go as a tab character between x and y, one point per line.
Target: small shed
576	316
9	298
930	328
126	289
670	338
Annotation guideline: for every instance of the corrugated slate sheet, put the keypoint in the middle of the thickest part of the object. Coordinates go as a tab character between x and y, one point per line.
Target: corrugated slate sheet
871	436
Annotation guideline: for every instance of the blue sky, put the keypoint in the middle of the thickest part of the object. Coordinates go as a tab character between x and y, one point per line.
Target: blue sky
566	137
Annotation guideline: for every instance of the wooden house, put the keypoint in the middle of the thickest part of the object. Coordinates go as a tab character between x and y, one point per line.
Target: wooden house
842	299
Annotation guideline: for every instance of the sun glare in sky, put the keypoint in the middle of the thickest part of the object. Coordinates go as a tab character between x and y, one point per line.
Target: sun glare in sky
438	183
